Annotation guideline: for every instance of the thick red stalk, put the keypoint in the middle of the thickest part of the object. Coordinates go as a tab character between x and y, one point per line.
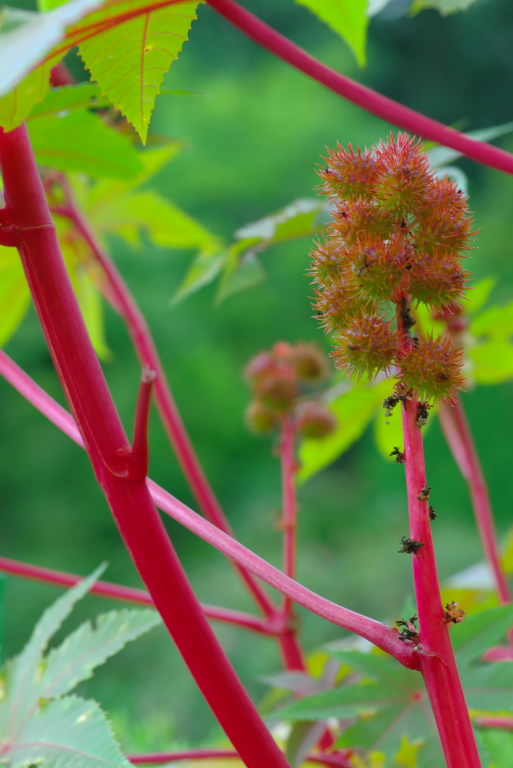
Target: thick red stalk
463	447
336	761
384	637
437	664
109	450
370	100
129	594
126	305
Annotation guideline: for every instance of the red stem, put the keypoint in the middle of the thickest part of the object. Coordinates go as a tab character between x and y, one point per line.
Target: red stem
90	400
372	102
495	721
384	637
438	665
337	761
124	303
455	420
129	594
140	458
289	519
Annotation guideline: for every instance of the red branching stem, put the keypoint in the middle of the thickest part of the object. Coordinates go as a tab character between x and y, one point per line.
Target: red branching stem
505	722
123	301
370	100
454	420
130	594
140	457
438	665
8	237
384	637
139	522
289	518
339	760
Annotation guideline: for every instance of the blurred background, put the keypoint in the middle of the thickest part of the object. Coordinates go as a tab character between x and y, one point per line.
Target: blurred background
254	130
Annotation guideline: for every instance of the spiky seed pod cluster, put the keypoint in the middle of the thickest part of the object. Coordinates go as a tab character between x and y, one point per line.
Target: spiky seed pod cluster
397	239
278	379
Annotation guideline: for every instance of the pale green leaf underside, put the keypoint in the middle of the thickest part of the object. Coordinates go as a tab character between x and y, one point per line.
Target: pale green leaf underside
26	39
86	648
348	18
22	674
79	141
445	7
67	733
130	60
14	293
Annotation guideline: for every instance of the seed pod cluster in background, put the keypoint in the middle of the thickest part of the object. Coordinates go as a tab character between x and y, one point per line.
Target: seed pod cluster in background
281	380
397	239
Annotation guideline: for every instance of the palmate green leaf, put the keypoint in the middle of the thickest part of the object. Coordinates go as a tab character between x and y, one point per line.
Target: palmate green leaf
496	747
67	733
79	141
239	273
129	60
354	410
22	675
348	18
26	39
14	293
478	633
86	648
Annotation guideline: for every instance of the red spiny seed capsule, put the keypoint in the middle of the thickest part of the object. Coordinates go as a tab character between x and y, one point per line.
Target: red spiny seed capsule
367	346
327	261
432	368
315	420
309	362
403	175
261	419
337	305
380	271
444	195
354	218
348	174
278	391
443	230
439	280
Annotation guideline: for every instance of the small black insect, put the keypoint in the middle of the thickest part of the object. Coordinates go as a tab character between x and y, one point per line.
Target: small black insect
424	494
432	514
408	319
389	404
423	409
399	456
410	546
408	628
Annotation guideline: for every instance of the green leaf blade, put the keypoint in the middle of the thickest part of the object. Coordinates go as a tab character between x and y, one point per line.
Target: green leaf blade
14	293
129	60
348	18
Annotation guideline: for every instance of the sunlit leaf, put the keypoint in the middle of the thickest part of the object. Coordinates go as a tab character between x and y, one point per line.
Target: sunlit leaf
14	293
479	294
354	410
495	321
492	362
129	60
303	217
79	141
348	18
496	747
18	104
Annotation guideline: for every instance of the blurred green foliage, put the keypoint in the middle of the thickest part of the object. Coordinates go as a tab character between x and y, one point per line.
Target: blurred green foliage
255	130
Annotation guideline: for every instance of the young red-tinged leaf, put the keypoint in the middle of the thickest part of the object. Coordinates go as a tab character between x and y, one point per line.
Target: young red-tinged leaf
348	18
80	141
14	293
129	60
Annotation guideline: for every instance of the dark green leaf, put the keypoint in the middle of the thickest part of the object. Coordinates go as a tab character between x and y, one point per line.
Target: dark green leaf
348	18
80	141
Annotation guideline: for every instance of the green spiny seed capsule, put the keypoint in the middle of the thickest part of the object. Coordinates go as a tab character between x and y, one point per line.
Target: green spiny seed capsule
314	420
